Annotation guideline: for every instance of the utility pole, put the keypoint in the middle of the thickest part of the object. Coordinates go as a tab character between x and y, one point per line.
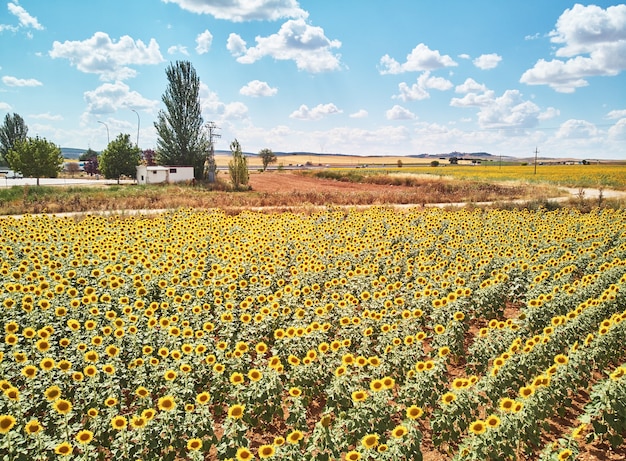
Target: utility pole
536	152
209	164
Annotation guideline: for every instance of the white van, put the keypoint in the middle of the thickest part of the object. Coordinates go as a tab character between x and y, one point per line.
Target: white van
10	174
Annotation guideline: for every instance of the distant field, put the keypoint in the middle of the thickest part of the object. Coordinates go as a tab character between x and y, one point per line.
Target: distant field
331	160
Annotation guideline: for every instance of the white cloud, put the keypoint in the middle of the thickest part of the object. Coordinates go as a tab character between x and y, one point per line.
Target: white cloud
419	90
362	113
14	81
316	113
618	131
107	58
218	111
593	44
614	114
421	58
464	56
4	106
576	129
178	49
109	97
203	42
470	85
24	18
244	10
257	88
474	99
399	113
487	61
509	111
46	116
307	45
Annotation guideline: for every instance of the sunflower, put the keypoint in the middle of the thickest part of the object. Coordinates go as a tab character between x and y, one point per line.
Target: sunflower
110	401
564	454
560	359
203	398
194	444
166	403
526	391
62	406
266	451
399	432
236	411
52	393
31	427
448	398
170	375
414	412
236	378
63	449
478	427
295	436
359	396
6	423
492	421
369	441
243	454
376	385
295	392
353	456
138	422
254	375
119	423
84	437
148	413
507	405
29	371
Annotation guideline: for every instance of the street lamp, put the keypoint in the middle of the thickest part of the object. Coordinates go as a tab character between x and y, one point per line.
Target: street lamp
138	121
107	127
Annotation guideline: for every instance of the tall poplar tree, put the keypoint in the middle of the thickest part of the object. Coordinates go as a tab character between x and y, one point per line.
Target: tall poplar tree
181	139
11	131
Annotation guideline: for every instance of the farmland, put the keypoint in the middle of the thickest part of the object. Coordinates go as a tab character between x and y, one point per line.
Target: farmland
335	334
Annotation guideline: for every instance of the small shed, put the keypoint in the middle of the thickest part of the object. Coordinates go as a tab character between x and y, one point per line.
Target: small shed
160	174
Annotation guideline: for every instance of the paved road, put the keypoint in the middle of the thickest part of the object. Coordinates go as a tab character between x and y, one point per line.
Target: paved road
10	182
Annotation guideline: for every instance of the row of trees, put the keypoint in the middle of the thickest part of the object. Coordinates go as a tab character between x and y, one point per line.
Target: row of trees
182	139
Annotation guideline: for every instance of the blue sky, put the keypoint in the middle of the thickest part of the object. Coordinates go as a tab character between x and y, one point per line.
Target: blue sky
352	76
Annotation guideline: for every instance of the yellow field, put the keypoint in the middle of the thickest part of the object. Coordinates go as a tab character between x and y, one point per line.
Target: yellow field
331	336
601	175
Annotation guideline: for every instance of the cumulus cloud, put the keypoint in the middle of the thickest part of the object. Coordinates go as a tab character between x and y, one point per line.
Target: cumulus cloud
419	59
474	99
487	61
244	10
399	113
24	18
107	58
316	113
592	42
14	81
296	40
419	90
109	97
509	111
213	108
618	131
575	129
359	114
257	88
5	106
203	42
178	49
615	114
470	85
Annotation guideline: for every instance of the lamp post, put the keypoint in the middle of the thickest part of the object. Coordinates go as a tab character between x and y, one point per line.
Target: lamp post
138	122
107	127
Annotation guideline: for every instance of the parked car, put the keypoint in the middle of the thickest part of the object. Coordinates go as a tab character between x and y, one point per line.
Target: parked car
10	174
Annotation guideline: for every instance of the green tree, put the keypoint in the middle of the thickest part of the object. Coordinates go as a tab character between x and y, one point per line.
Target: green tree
11	131
180	137
36	157
238	166
267	157
120	157
87	155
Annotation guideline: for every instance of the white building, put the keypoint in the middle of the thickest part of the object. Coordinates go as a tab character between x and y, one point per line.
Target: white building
161	174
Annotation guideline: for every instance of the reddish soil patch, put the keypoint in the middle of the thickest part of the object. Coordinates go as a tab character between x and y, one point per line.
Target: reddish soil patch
290	182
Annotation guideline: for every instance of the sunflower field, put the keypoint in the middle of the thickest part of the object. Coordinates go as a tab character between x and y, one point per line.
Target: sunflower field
338	335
